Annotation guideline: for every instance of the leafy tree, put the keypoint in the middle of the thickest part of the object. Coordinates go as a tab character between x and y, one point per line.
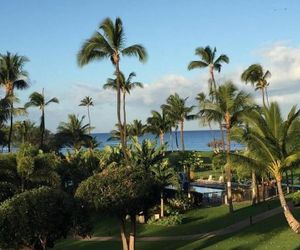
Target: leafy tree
37	218
119	191
88	102
73	133
110	43
178	111
12	75
230	105
38	100
256	75
208	60
126	86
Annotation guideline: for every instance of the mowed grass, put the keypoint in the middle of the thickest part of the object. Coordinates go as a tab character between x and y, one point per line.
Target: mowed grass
272	233
201	220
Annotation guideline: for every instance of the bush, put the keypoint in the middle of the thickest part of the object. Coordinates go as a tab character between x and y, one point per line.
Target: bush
171	220
180	204
296	198
38	216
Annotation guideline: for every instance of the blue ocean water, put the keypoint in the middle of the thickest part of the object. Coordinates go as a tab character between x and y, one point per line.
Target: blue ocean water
193	140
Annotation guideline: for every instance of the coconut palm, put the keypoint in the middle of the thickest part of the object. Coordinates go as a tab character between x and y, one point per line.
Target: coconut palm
126	86
208	59
137	128
37	99
87	102
111	44
256	75
230	105
159	123
178	111
73	133
275	147
12	77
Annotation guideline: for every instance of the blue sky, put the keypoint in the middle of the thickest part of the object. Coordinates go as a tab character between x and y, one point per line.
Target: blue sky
50	34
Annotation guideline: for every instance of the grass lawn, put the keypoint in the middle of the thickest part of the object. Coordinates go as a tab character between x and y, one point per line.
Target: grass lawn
195	221
272	233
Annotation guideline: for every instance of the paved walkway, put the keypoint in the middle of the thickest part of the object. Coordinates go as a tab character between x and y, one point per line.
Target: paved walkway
227	230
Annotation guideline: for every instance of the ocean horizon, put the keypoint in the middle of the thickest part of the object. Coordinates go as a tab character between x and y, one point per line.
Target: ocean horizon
193	140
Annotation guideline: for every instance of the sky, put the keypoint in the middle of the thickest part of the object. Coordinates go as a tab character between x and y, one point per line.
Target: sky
50	34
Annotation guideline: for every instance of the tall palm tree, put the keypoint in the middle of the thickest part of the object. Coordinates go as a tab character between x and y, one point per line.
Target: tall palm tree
178	111
256	75
37	99
136	128
230	105
208	59
111	44
126	86
87	102
74	133
274	145
12	75
159	123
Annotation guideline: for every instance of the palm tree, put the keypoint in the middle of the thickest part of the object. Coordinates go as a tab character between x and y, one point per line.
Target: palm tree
12	76
73	133
137	128
230	105
256	75
126	86
274	146
164	175
159	124
208	59
37	99
178	111
87	102
111	44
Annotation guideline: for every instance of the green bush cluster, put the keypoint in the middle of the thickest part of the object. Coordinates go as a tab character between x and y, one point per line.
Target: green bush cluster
296	198
171	220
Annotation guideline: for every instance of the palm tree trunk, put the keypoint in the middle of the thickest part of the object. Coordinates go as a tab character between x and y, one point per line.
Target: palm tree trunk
89	116
181	135
228	173
123	234
161	137
121	129
263	96
132	233
162	204
42	128
263	190
124	118
293	223
214	85
267	96
176	137
11	127
222	135
287	182
254	188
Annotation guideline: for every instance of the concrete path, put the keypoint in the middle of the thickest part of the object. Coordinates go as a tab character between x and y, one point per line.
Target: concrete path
227	230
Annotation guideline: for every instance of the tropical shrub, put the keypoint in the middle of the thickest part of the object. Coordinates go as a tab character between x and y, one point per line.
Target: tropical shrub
171	220
37	217
296	198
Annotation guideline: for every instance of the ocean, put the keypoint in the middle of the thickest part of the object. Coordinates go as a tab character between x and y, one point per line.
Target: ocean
193	140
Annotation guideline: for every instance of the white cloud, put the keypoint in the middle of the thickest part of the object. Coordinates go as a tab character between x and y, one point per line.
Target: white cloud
281	59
